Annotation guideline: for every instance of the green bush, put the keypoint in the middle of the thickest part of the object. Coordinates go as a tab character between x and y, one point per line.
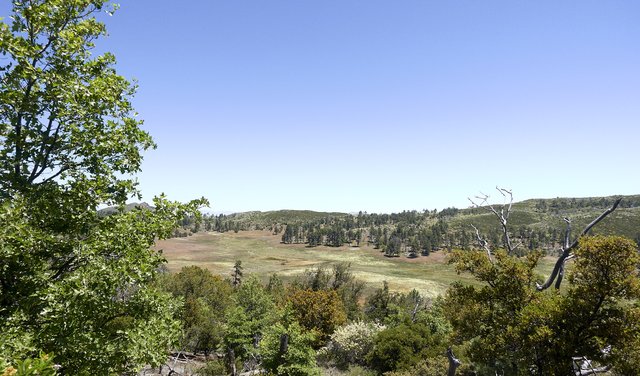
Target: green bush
404	346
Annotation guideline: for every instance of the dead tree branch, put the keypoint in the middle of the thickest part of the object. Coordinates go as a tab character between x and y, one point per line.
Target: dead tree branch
558	269
502	215
483	243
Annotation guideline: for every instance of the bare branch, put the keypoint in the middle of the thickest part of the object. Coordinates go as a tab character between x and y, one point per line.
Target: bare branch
566	250
567	234
483	243
595	222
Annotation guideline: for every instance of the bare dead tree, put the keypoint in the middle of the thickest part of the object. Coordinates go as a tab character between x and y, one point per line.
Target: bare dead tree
502	214
568	246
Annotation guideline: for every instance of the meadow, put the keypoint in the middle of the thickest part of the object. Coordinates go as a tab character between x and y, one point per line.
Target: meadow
263	254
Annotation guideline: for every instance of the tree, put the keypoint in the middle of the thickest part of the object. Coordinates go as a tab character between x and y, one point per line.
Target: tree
403	347
379	305
73	283
253	312
512	328
287	350
320	312
393	247
206	298
237	274
350	344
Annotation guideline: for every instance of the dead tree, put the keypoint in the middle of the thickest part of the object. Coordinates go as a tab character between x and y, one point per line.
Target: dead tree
503	214
503	217
568	246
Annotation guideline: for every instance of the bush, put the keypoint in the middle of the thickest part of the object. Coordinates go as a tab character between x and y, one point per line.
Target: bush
351	343
403	347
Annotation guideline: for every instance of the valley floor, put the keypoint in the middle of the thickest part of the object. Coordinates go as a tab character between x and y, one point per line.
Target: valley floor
263	254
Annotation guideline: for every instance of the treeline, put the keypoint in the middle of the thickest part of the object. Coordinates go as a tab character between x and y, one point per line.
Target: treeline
557	205
410	233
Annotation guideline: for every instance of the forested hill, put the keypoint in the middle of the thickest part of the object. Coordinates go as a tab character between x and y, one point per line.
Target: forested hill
535	223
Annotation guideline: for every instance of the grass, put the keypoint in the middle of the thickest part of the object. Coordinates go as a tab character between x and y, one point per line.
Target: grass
262	254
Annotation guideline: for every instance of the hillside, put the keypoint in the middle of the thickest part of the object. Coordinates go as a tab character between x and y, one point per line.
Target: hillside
549	213
535	223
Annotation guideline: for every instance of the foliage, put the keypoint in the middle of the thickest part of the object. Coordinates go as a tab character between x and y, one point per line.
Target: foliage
513	329
380	305
359	371
193	282
435	366
212	368
72	282
66	115
298	359
206	298
318	311
350	344
254	311
404	346
41	366
341	280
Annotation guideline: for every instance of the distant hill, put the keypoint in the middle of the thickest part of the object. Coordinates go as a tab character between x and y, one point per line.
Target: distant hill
548	214
265	219
534	223
127	208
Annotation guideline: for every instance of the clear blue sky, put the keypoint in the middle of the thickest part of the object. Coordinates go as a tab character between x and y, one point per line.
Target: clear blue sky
381	106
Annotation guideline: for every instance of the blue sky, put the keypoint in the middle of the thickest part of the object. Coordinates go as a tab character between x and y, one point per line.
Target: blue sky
382	106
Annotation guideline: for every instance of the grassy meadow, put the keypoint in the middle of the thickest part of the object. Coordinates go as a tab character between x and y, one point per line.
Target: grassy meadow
262	254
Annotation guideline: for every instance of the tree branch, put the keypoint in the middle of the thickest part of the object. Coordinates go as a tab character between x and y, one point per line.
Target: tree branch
503	217
566	249
454	362
483	243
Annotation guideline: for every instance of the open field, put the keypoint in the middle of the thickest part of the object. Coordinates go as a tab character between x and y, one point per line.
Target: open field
262	254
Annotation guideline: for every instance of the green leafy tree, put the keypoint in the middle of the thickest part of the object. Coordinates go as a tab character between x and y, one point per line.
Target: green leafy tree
404	346
511	328
286	349
253	312
206	298
379	306
73	283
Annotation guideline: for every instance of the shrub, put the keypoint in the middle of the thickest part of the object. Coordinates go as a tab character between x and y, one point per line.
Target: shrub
351	343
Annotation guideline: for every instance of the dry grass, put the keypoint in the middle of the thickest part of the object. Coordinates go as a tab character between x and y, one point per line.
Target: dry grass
262	254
